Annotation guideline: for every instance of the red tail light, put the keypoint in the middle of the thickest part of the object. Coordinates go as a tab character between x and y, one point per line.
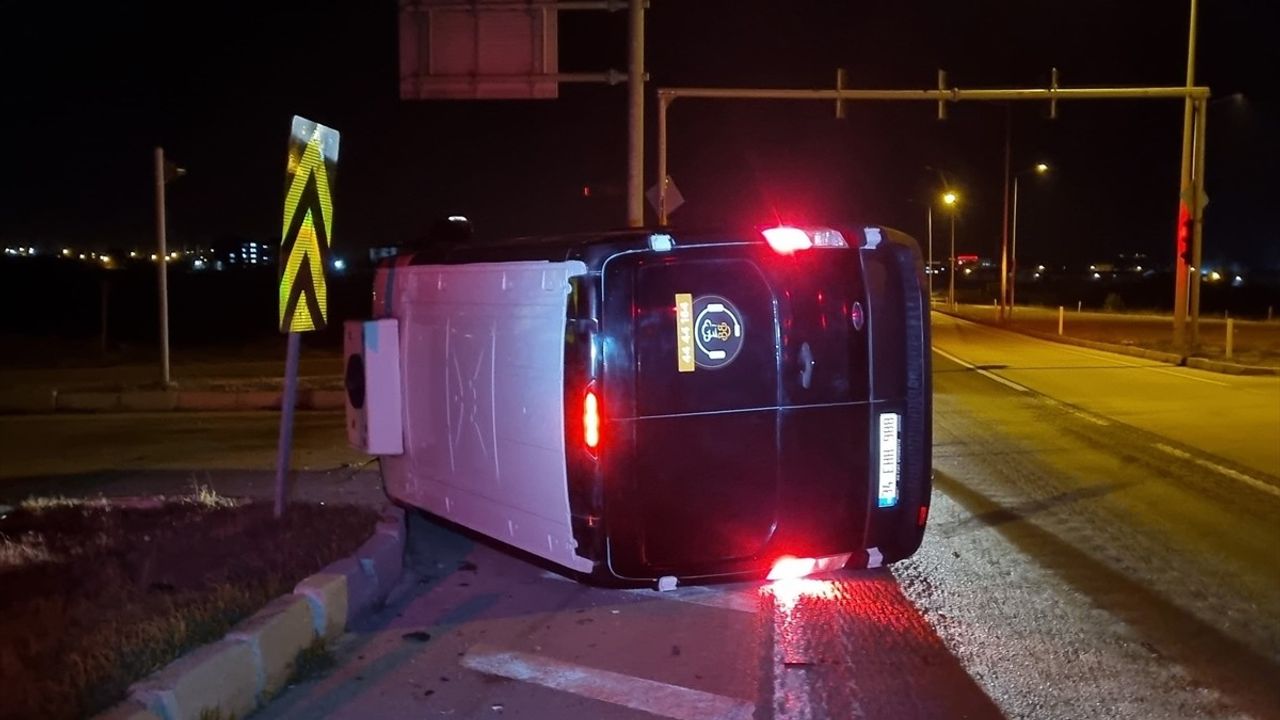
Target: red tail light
591	419
786	240
788	567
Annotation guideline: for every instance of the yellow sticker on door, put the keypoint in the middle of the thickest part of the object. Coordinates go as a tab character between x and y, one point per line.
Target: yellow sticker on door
684	332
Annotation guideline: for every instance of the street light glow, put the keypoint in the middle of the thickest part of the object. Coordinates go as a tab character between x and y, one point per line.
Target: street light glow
949	198
1042	168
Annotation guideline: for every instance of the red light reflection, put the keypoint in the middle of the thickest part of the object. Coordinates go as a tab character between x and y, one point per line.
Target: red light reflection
791	592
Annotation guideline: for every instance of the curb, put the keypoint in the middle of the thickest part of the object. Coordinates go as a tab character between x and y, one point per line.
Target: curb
161	401
1221	366
240	673
1197	363
1130	350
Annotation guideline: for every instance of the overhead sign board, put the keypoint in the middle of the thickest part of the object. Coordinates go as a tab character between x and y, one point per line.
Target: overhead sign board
477	50
308	226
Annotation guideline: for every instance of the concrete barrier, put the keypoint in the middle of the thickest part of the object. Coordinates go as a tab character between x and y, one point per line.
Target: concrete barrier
276	634
218	678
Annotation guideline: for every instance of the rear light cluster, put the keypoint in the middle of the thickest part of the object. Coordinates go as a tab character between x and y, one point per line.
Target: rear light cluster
786	239
591	419
790	568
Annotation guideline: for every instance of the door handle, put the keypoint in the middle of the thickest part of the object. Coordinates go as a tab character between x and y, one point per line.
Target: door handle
806	365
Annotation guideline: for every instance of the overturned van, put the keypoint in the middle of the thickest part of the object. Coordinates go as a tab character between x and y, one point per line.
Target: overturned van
642	406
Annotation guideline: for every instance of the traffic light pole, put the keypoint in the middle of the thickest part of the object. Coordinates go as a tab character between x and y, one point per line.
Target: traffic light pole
1180	271
1197	216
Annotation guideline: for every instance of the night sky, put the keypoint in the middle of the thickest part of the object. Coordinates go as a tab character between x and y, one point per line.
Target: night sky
90	89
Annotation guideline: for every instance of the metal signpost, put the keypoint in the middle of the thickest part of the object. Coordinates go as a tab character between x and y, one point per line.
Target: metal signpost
306	238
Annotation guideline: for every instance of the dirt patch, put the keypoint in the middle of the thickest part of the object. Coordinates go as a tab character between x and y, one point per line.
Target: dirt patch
96	595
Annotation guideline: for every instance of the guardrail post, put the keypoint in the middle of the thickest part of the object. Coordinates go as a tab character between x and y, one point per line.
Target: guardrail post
1231	334
1062	312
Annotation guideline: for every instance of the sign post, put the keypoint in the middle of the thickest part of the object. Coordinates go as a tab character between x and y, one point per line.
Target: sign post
304	254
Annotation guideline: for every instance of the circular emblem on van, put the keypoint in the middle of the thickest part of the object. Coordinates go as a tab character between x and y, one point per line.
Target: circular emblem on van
717	331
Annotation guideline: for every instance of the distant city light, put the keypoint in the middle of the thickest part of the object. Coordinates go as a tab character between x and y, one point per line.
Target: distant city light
198	264
81	256
457	218
66	252
1215	276
153	257
133	253
1139	268
339	264
1097	276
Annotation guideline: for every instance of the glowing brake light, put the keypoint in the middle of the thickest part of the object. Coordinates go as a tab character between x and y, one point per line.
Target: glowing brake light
785	239
591	420
790	568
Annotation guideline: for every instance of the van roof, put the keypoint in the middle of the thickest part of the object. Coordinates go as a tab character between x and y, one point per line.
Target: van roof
592	248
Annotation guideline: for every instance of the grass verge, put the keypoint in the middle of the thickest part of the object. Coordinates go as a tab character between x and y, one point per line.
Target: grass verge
94	595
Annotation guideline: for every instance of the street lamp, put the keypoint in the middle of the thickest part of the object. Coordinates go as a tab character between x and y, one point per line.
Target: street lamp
1039	169
949	198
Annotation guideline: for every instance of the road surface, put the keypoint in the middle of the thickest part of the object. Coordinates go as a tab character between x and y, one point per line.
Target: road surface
1088	556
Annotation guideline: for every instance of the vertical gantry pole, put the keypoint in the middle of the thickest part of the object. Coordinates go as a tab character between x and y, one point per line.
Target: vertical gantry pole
635	118
664	102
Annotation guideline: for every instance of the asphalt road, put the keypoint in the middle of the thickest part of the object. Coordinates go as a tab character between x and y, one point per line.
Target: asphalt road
1089	556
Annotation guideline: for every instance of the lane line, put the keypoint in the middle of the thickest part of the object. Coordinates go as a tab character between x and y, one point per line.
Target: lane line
1096	420
651	696
1233	474
980	371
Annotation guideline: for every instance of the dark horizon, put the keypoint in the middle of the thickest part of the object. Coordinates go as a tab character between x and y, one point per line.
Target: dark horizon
94	92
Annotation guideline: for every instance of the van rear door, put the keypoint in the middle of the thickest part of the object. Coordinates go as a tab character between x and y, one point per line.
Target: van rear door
690	391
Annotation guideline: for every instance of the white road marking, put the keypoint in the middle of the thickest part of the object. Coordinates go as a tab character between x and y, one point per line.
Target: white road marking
1233	474
980	371
1162	370
658	698
1173	451
1078	413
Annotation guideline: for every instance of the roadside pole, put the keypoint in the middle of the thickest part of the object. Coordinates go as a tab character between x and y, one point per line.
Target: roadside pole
162	257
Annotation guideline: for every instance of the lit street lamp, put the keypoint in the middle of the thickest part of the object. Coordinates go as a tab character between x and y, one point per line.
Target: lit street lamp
950	199
1039	169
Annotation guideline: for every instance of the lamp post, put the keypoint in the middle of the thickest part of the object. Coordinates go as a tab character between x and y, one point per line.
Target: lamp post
950	199
929	263
1039	169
